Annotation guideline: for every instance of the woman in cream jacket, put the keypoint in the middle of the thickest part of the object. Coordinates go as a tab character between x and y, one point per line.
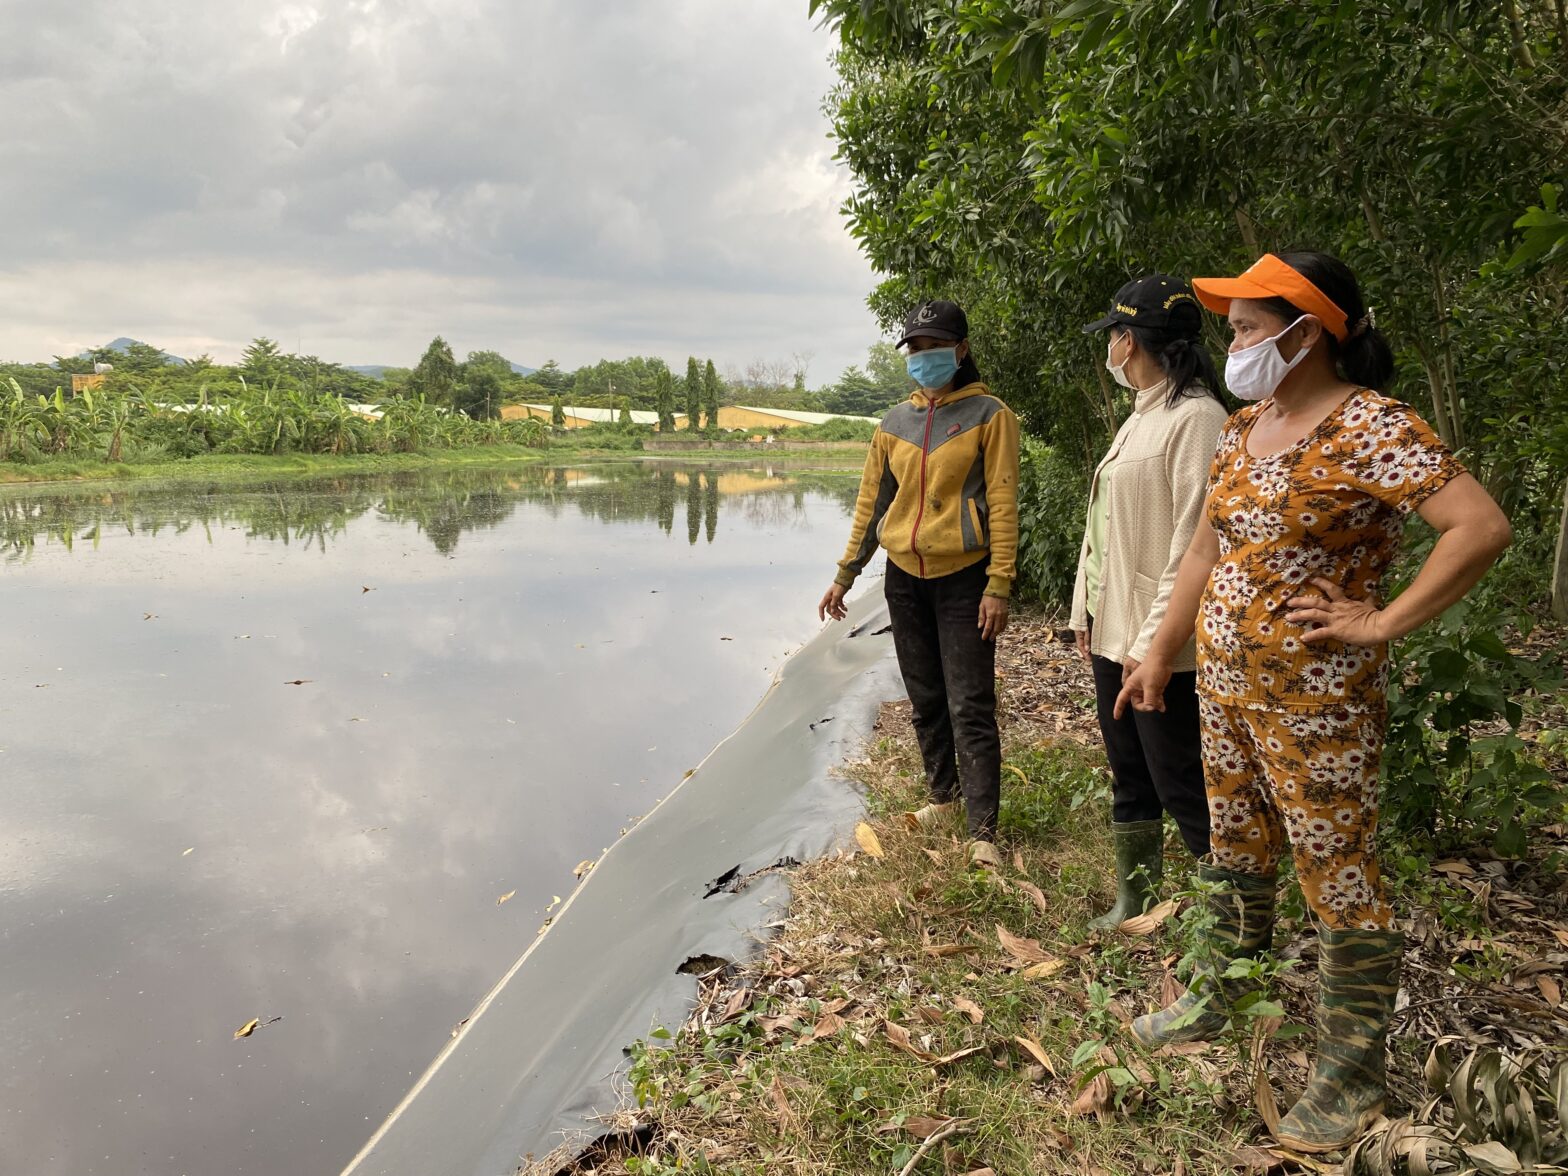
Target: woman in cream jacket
1143	507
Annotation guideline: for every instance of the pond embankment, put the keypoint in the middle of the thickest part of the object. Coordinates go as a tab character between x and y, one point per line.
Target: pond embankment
912	1015
238	468
688	890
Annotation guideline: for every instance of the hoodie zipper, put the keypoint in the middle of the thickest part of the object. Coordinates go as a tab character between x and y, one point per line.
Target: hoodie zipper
920	512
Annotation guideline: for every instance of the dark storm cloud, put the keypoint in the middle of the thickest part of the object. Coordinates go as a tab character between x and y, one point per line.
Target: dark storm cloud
583	178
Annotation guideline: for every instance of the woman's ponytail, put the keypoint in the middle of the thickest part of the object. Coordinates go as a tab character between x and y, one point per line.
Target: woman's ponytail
1364	358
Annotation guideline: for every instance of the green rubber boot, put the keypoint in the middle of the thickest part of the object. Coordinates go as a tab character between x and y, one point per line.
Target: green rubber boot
1140	864
1358	978
1244	926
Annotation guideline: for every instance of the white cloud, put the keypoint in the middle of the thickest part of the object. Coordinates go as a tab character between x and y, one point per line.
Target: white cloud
548	178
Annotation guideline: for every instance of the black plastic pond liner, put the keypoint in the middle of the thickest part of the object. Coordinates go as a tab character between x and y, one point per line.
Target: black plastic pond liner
536	1062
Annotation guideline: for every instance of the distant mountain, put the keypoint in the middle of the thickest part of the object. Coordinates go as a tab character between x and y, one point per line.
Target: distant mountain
123	345
377	370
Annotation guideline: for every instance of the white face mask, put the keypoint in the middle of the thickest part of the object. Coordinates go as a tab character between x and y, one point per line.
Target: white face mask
1118	370
1256	372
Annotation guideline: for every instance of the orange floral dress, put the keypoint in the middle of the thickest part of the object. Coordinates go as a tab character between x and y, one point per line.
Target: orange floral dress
1292	732
1332	505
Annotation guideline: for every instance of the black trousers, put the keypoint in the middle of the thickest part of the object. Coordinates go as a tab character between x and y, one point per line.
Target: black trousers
950	674
1156	758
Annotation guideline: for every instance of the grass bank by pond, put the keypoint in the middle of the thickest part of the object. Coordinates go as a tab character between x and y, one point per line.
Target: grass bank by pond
237	467
913	1016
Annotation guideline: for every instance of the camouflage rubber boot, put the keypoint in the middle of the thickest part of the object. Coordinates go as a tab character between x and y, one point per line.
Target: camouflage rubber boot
1358	978
1243	927
1140	864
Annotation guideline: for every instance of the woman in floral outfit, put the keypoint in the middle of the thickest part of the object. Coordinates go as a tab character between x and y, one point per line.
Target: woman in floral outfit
1285	582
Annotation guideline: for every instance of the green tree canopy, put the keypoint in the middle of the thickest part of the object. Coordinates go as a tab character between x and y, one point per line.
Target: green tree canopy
435	376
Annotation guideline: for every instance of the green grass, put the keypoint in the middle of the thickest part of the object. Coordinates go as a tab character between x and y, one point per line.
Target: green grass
250	467
787	1084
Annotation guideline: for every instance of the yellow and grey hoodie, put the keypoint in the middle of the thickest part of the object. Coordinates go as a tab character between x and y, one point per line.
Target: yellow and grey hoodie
940	489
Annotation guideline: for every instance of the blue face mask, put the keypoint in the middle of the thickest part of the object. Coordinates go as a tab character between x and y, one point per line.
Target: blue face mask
933	368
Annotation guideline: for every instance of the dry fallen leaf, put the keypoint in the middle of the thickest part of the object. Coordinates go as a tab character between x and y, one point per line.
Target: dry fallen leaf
827	1026
934	856
958	1055
930	1014
901	1039
1093	1099
939	950
247	1029
781	1104
1551	991
1263	1097
1036	895
1026	951
737	1004
505	897
925	1126
1145	923
1044	970
866	838
1037	1051
969	1009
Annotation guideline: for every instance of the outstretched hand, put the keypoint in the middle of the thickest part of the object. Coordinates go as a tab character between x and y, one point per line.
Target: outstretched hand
1144	688
832	604
1333	616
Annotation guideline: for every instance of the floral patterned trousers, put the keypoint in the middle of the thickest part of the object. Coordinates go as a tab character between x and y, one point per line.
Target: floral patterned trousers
1306	777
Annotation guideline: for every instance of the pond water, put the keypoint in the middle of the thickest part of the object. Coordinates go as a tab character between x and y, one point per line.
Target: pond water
280	752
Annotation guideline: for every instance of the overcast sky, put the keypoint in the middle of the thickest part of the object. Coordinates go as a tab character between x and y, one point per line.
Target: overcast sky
546	178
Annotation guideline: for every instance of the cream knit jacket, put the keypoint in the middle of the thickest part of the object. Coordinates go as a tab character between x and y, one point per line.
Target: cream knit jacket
1155	477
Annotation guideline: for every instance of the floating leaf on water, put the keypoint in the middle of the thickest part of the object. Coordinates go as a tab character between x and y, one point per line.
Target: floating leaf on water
189	851
866	838
364	590
505	897
247	1029
299	681
555	901
582	867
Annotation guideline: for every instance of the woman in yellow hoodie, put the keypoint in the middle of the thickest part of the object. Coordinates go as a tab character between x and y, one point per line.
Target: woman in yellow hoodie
940	496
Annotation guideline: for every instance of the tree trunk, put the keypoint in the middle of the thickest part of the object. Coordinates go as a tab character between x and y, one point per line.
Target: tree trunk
1434	380
1248	229
1560	566
1522	55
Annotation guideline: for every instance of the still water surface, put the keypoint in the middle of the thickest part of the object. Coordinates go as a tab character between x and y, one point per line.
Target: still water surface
497	672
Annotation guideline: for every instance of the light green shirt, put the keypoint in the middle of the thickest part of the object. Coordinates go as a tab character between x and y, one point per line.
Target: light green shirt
1094	558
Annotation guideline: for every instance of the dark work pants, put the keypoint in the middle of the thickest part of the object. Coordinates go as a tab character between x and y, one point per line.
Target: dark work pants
950	674
1156	758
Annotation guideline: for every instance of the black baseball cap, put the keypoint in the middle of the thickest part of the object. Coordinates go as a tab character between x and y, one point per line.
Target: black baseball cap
1158	301
938	319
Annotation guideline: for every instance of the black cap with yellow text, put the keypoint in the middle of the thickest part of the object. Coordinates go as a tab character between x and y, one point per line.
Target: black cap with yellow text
1158	301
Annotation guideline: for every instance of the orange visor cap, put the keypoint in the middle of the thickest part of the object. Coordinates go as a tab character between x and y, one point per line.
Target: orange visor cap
1269	277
